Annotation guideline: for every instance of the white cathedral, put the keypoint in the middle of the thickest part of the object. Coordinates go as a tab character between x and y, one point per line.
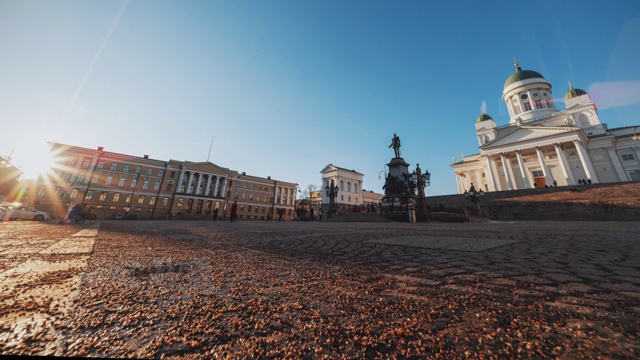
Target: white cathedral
542	146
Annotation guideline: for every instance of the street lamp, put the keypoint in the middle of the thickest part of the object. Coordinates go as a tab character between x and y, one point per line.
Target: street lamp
474	197
421	180
332	193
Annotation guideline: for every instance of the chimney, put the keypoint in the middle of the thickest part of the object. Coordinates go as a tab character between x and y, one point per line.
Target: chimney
146	156
244	173
100	148
268	177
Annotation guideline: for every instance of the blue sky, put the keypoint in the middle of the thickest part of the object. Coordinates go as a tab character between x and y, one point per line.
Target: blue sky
287	87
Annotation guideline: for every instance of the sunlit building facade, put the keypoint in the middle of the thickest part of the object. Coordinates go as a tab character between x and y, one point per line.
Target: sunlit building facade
117	184
544	146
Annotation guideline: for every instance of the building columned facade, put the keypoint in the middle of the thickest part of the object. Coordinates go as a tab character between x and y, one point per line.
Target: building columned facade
349	183
543	146
118	184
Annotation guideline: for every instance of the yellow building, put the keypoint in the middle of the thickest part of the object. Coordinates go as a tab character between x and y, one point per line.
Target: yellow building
118	184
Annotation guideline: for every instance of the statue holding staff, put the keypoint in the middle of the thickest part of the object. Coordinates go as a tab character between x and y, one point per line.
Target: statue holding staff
395	143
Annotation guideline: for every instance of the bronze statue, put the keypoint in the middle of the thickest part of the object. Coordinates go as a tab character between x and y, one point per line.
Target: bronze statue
395	143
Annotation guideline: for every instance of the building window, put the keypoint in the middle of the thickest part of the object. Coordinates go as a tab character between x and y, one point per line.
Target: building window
122	179
140	199
74	194
66	177
114	167
348	186
100	165
172	175
108	181
116	197
138	169
88	195
349	198
126	168
236	195
145	185
128	199
538	174
634	175
249	208
71	161
550	104
160	173
157	185
134	182
627	157
538	104
86	163
355	187
95	178
527	106
152	201
516	109
253	186
251	196
244	195
342	197
165	201
103	196
169	185
80	177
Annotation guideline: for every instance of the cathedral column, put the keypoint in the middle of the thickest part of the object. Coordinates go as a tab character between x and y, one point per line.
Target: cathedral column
545	170
215	188
586	161
189	183
505	167
491	173
523	170
458	183
207	192
564	164
616	163
224	186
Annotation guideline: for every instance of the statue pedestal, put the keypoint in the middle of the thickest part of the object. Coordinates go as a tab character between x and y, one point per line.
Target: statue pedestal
397	166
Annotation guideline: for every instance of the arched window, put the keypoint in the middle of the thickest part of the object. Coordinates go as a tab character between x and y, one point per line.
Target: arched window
109	179
134	182
348	186
145	185
169	185
157	185
95	178
583	120
122	179
341	185
355	188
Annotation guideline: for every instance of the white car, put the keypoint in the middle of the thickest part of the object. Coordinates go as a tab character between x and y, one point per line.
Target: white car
20	212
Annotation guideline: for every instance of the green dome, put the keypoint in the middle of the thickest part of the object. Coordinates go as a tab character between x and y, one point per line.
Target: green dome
483	117
521	75
573	93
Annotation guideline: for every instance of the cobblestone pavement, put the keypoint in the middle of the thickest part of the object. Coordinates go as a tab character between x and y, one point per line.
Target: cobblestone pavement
321	290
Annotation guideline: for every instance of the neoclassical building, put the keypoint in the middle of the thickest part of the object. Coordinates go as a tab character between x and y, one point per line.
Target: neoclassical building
542	145
112	183
349	183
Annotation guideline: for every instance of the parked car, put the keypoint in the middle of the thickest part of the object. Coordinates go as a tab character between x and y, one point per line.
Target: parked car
115	217
17	211
3	212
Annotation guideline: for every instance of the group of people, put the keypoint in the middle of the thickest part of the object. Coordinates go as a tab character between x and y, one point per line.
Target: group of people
303	215
78	214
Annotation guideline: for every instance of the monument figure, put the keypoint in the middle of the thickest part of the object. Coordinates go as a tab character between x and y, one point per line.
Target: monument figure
395	143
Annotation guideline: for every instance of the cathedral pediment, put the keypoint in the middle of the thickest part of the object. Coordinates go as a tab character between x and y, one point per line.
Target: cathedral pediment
529	133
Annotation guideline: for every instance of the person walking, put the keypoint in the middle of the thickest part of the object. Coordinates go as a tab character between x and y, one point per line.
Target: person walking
311	213
234	212
215	214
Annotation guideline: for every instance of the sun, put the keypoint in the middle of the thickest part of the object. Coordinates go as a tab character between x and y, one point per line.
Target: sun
34	160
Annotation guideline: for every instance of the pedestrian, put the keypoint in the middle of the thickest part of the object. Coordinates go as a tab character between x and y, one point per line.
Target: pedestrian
555	183
280	213
234	211
311	211
77	214
215	214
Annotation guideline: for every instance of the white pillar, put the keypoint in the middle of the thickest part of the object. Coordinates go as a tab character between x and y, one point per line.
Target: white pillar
491	173
199	183
543	165
224	186
505	164
616	163
181	179
190	182
206	189
215	188
458	183
564	165
585	159
523	170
